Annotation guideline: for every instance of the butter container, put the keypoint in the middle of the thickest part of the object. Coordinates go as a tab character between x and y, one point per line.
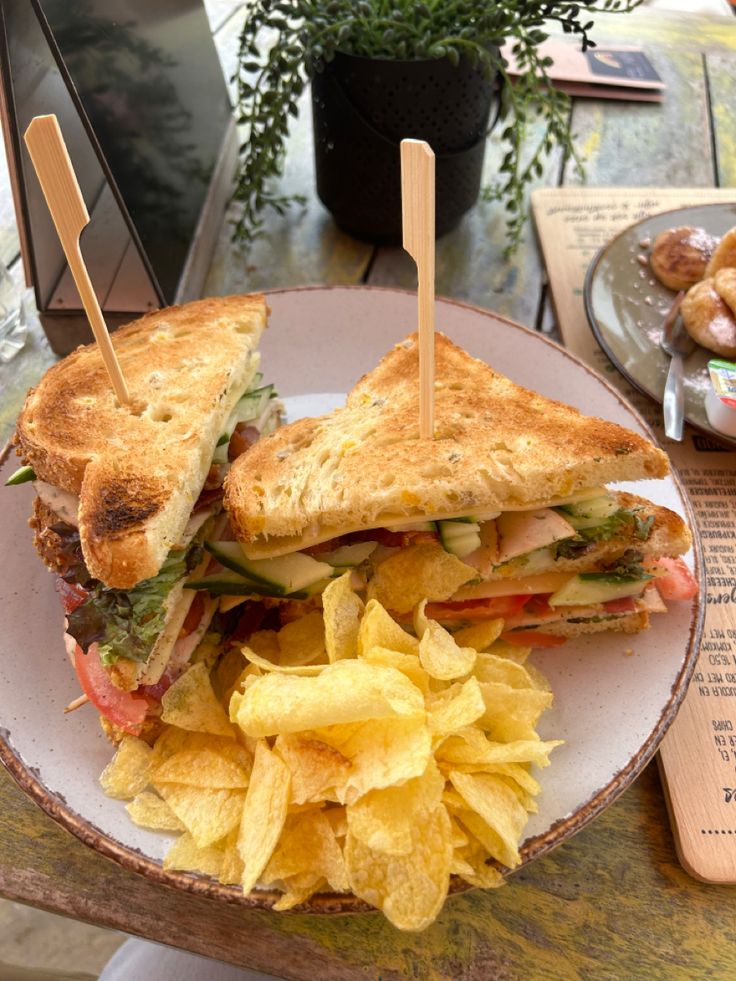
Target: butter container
720	402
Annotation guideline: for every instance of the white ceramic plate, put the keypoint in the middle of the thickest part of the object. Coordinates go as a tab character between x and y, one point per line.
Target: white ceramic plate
611	706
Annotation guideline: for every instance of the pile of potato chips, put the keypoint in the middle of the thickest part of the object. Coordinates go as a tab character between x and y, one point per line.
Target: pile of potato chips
343	754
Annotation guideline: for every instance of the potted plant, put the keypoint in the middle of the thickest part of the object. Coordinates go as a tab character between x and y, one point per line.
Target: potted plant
382	70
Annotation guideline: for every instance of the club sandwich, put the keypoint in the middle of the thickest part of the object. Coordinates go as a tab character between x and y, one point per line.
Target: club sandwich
126	494
504	514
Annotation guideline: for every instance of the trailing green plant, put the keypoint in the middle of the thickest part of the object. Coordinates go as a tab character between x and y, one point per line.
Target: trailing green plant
285	42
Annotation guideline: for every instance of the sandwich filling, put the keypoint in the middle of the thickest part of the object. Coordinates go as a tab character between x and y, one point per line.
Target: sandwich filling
604	561
128	646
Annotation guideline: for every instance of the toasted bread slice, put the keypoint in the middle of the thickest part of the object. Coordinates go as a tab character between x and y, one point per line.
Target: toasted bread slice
138	470
497	447
629	623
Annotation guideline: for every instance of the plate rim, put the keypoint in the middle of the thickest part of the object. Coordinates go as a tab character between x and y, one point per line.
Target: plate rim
590	273
132	859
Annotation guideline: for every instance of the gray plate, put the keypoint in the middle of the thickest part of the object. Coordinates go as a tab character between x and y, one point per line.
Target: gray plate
626	305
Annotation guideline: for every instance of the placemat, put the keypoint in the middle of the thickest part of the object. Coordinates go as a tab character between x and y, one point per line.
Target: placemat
698	755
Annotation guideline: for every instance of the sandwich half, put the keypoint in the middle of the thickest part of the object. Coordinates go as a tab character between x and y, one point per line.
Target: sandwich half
504	514
127	494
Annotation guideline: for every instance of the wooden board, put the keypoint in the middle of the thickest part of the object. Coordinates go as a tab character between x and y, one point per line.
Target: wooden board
698	755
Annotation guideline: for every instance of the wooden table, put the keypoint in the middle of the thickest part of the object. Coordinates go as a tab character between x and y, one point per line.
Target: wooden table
611	903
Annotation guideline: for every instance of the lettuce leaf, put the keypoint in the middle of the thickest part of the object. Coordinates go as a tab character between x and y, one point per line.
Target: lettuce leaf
621	522
126	624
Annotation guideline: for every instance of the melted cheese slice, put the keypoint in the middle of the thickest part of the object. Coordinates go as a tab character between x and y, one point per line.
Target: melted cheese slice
267	548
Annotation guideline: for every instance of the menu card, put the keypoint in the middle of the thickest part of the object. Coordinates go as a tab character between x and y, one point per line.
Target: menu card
698	754
621	72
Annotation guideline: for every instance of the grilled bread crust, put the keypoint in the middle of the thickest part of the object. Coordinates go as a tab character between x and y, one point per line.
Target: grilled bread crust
497	446
139	469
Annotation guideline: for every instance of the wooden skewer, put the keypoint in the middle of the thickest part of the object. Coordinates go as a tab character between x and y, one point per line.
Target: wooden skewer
63	196
76	703
417	209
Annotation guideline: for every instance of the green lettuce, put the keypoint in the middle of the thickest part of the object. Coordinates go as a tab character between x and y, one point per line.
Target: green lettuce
127	623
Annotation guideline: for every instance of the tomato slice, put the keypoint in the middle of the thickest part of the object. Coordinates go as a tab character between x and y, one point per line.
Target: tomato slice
193	617
480	609
122	708
71	594
677	583
531	638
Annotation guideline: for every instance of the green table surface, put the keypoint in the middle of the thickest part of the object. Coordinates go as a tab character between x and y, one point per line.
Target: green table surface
611	903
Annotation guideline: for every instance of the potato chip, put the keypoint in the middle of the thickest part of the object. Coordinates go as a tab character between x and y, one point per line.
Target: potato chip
383	752
411	888
298	889
538	679
512	713
148	810
342	612
479	635
513	652
303	641
379	629
516	772
127	773
303	670
459	837
497	817
226	674
308	844
384	819
416	573
492	668
207	814
420	619
231	870
316	768
338	818
263	814
456	707
190	703
226	767
265	643
173	740
186	854
494	845
471	863
346	691
470	745
407	664
441	657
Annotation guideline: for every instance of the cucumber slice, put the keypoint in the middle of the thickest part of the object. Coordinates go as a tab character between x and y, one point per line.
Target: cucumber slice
590	513
350	556
585	592
459	537
231	584
283	575
21	476
252	404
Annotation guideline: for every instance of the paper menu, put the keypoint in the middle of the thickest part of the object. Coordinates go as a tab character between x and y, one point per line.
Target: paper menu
698	754
620	72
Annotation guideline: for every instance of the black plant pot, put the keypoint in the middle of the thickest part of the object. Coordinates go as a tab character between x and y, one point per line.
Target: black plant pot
363	107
